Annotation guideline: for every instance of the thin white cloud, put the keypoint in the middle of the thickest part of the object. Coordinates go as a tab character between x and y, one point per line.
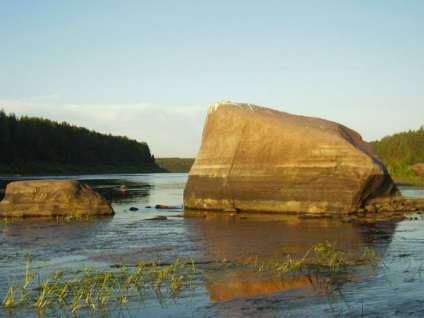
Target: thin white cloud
169	131
45	97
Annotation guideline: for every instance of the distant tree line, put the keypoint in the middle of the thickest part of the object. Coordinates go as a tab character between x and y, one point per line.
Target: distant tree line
400	152
29	139
175	164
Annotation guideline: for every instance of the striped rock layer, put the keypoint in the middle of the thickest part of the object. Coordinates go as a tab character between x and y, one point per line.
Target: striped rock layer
255	159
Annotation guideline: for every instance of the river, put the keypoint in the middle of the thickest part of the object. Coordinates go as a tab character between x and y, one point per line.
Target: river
391	288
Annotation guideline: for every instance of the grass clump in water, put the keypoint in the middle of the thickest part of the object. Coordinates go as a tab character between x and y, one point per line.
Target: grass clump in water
91	288
326	267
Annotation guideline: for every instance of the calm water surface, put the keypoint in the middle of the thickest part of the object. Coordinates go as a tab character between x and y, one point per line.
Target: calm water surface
393	288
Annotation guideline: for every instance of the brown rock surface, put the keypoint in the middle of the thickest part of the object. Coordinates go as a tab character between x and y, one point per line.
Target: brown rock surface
418	169
52	197
255	159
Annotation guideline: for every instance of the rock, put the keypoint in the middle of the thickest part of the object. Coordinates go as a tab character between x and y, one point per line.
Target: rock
348	220
51	198
133	209
418	169
396	218
254	159
158	218
386	208
167	207
309	216
231	210
400	208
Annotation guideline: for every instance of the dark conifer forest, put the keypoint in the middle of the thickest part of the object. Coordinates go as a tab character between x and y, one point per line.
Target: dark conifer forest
30	145
29	141
400	152
175	164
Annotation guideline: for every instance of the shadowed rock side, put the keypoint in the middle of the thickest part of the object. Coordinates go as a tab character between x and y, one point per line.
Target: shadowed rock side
255	159
51	198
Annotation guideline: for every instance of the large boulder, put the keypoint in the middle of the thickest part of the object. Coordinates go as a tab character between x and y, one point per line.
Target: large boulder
255	159
51	198
418	169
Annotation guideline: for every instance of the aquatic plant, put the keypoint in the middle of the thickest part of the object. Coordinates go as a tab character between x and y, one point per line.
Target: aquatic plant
75	216
94	289
4	220
18	292
91	288
325	266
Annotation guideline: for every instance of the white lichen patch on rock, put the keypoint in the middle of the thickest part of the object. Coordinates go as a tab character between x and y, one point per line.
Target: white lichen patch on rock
253	108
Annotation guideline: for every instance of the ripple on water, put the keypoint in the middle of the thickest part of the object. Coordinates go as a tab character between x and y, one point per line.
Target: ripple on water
393	288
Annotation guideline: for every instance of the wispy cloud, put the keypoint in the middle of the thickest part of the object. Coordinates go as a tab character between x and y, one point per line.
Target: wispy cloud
169	131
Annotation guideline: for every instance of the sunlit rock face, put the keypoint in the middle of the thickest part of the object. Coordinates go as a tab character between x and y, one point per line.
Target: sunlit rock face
52	197
255	159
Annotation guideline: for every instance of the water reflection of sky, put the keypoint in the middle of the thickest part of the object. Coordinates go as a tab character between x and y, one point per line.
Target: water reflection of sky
144	189
129	237
165	188
412	191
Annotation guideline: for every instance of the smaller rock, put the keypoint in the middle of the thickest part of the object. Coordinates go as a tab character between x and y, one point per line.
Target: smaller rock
370	208
167	207
399	208
386	208
232	210
396	218
52	198
158	218
133	209
309	216
418	169
348	220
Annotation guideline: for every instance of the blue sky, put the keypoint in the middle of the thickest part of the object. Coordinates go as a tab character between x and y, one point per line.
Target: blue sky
149	69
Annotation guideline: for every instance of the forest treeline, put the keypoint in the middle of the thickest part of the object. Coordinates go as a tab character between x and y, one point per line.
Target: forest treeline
400	152
175	164
29	143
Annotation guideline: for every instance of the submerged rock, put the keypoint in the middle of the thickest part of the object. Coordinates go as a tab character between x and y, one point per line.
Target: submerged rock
158	218
418	169
167	207
52	197
256	159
